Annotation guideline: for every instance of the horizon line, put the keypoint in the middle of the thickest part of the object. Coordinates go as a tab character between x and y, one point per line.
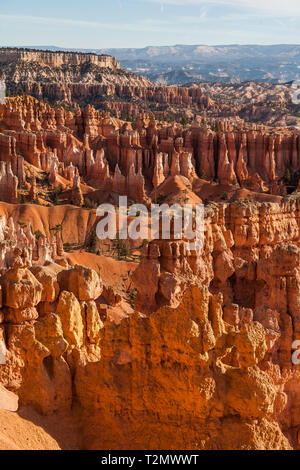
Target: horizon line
62	48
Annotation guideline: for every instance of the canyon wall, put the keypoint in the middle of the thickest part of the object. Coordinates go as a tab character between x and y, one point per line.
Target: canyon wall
250	263
202	362
56	59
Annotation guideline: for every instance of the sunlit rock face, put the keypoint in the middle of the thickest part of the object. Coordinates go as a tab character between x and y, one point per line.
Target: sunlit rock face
208	344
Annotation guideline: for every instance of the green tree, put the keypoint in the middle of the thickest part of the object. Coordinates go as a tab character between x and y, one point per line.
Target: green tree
120	247
184	121
68	247
225	197
287	175
57	228
38	234
22	199
92	244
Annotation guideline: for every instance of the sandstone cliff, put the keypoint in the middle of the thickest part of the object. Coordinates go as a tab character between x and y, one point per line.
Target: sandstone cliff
65	77
206	367
56	59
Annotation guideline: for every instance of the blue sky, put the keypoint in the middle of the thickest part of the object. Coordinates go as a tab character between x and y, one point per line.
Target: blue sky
139	23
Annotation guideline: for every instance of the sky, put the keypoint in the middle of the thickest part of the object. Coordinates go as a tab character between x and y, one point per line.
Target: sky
139	23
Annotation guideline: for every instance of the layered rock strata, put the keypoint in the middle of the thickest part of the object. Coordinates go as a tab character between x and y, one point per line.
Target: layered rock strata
134	159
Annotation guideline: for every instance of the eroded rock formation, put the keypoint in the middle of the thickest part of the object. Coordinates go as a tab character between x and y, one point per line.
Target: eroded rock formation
134	159
208	344
194	350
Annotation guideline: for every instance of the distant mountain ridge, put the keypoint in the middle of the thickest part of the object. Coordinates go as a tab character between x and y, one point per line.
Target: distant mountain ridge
181	63
182	52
